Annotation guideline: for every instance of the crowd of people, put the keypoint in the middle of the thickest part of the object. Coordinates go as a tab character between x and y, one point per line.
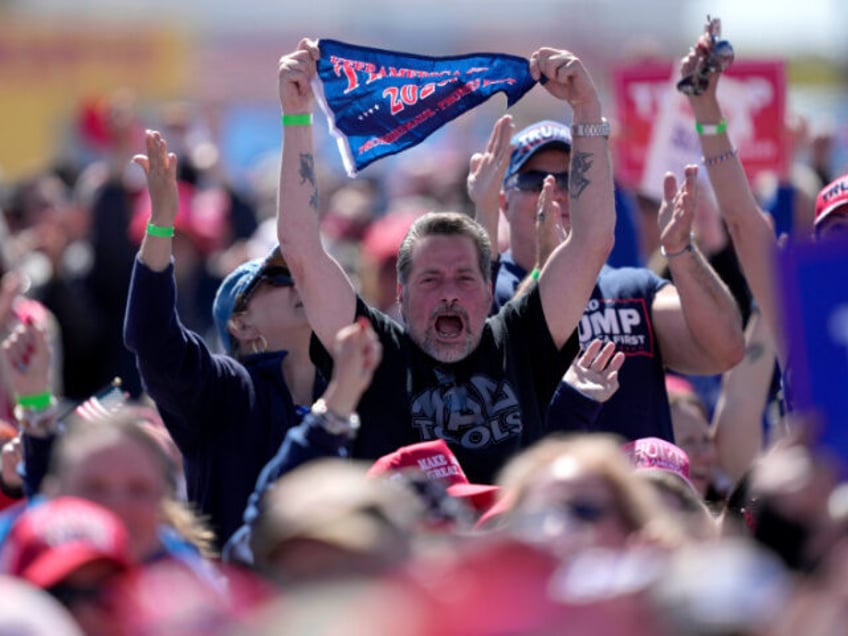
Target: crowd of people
421	410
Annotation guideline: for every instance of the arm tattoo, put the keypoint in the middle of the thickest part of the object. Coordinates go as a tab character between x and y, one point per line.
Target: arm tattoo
307	168
307	173
577	181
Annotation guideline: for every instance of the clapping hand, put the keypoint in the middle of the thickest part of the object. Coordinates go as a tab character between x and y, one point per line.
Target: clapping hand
595	372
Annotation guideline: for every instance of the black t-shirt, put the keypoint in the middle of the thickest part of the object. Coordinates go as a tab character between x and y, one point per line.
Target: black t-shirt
487	407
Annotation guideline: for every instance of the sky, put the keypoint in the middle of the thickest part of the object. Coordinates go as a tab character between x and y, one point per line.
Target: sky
765	25
809	26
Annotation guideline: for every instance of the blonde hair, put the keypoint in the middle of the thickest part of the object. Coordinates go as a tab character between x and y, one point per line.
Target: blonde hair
600	454
130	423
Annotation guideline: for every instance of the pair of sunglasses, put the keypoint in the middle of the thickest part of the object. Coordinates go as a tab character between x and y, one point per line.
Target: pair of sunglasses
276	276
533	180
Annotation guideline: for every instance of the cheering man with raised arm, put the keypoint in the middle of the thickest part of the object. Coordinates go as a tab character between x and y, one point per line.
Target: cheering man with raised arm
482	384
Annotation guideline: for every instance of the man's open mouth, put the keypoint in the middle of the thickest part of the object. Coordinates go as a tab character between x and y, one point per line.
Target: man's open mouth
449	326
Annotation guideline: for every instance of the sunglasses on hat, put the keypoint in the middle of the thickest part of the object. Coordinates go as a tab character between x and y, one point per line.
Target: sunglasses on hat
534	180
275	275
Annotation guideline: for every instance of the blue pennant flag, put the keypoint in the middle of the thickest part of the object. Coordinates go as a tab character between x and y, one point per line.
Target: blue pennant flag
381	102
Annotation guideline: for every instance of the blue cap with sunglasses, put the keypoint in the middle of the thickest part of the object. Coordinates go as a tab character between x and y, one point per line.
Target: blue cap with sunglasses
237	288
541	135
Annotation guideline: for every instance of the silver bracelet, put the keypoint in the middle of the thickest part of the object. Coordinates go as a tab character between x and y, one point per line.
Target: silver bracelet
334	423
690	247
601	129
685	250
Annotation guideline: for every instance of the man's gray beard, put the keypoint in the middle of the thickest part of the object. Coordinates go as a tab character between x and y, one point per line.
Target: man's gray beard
432	348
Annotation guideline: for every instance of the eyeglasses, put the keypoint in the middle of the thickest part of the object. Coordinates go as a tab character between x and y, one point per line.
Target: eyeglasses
274	275
533	180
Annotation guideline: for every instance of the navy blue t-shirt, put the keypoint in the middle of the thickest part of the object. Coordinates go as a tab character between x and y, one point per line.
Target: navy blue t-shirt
618	310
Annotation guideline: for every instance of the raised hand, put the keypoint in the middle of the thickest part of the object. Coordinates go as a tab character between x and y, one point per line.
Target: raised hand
356	354
677	210
595	372
27	355
549	229
696	63
486	169
295	72
568	79
160	168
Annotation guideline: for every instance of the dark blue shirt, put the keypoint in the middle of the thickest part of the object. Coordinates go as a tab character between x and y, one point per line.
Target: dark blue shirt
227	417
618	310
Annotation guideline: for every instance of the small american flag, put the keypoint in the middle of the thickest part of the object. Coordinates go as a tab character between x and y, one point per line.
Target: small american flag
103	404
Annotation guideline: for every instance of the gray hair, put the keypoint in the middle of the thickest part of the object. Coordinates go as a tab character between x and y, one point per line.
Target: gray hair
445	224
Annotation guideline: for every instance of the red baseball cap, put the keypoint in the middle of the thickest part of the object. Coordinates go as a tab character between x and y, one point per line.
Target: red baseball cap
51	540
831	198
436	460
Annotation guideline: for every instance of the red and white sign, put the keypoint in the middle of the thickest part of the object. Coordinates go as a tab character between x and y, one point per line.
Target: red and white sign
657	128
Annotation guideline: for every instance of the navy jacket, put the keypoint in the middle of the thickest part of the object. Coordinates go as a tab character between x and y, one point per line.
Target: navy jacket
227	417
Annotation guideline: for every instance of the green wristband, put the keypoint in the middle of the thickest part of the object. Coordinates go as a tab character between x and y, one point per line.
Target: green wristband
711	129
535	273
297	119
162	231
36	402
